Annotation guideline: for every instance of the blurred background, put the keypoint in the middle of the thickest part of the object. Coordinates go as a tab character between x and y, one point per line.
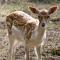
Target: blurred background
51	49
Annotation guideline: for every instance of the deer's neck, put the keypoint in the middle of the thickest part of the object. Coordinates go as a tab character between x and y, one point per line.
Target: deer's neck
41	32
43	39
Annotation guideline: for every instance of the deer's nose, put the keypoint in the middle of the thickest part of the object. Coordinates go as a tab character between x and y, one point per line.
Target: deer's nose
43	24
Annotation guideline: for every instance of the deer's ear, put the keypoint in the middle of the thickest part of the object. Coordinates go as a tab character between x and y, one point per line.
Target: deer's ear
34	10
52	9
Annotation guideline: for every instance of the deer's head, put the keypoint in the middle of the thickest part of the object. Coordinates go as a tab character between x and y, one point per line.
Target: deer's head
43	14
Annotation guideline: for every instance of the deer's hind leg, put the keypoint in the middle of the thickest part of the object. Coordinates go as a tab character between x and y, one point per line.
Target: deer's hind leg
9	23
28	35
26	46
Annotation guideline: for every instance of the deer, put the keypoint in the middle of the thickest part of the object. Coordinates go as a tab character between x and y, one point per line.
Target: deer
33	29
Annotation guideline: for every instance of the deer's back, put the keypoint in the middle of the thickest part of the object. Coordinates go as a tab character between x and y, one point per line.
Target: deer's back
22	20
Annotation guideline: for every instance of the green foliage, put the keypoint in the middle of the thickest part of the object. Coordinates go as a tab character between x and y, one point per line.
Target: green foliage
55	52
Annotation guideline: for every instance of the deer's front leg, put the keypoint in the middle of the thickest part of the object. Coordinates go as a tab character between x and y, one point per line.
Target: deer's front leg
38	52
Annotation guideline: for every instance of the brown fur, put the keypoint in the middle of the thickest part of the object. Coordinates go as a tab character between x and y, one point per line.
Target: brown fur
21	22
29	26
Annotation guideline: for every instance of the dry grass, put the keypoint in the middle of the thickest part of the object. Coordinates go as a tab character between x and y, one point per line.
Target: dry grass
8	8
